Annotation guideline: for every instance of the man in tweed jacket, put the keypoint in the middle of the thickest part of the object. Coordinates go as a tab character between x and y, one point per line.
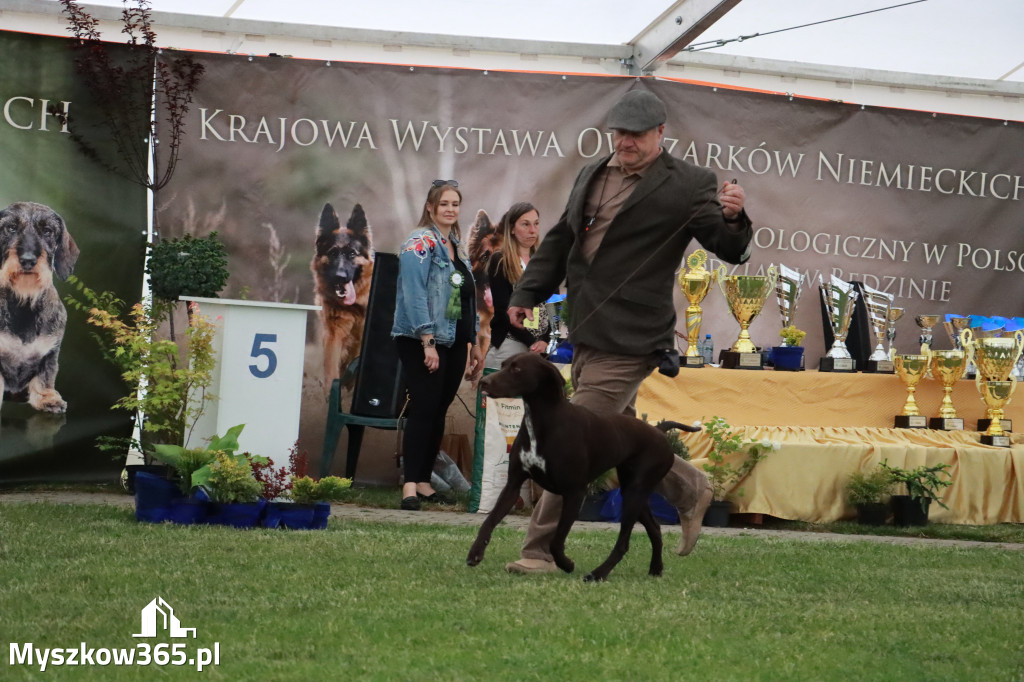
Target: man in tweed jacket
618	245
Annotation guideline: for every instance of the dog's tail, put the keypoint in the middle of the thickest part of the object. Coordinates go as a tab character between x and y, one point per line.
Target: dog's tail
668	426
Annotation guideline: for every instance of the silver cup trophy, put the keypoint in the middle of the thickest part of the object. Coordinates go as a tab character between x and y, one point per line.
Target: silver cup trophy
894	315
788	286
554	310
840	298
879	305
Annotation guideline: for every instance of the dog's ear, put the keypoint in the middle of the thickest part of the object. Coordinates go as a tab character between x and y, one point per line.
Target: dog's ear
67	252
357	222
556	377
481	228
329	222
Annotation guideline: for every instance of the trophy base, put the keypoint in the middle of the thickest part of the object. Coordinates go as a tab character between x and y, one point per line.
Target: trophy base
691	361
915	421
983	424
946	423
879	367
828	364
730	359
998	441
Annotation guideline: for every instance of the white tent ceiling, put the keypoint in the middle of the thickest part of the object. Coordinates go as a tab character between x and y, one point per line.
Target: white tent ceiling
980	39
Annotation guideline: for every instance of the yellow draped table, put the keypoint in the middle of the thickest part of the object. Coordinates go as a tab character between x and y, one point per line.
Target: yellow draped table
830	425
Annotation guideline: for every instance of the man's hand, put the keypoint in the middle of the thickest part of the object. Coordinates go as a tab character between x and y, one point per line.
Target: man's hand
538	346
731	198
516	315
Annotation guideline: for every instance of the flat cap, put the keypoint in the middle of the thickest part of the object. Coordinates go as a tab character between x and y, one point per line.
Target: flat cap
637	111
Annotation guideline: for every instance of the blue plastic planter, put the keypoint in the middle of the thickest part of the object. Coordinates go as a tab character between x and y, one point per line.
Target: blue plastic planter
321	512
154	497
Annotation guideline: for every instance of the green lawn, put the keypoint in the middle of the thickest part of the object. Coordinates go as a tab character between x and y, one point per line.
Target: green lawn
396	602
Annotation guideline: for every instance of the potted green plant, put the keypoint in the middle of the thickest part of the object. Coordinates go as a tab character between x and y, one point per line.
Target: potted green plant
186	266
923	485
159	374
730	460
309	494
868	492
235	490
789	356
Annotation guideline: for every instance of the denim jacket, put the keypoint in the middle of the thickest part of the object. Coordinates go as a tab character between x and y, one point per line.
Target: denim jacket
424	287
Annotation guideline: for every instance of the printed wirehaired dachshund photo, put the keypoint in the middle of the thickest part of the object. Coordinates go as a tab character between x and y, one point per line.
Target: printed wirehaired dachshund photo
35	246
342	269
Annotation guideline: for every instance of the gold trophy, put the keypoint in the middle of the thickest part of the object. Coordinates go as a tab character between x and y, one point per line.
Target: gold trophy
911	369
994	358
878	304
926	322
995	395
695	283
840	298
947	366
954	325
894	315
746	295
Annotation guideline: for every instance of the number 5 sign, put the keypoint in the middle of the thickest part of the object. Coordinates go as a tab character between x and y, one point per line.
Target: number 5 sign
259	348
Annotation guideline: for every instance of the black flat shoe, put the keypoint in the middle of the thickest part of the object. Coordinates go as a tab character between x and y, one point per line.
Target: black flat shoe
411	503
436	498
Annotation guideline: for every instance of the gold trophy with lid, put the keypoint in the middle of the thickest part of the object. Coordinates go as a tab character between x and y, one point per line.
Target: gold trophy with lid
994	358
695	283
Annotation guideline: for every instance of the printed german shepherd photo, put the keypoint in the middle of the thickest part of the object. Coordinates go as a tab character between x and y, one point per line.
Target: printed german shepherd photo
484	240
342	269
35	246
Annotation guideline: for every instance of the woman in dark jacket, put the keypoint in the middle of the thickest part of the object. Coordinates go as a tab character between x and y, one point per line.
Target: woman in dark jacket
520	227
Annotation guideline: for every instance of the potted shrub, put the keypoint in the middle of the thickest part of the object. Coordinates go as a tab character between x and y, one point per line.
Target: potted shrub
923	486
730	460
869	492
235	490
191	468
158	374
789	356
312	496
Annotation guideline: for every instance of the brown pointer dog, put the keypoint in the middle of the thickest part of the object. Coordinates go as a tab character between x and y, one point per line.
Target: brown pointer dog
35	245
563	447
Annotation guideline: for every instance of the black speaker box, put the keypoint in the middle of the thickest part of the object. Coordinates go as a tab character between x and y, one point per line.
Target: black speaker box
860	338
379	390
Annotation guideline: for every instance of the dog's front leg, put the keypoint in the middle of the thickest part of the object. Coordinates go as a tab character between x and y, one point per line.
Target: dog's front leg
502	506
571	503
41	393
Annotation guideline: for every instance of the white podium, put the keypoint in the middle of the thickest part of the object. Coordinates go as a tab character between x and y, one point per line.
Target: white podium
259	349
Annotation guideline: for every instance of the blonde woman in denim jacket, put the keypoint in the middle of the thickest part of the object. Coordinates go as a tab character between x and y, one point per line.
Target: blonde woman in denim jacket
435	329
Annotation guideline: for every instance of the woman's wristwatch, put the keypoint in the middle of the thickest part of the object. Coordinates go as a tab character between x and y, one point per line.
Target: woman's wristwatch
430	343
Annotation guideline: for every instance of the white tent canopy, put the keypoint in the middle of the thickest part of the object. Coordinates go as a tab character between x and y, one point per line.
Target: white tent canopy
967	57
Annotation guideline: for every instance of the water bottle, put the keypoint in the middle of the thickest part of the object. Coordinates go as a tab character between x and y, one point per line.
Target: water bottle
707	349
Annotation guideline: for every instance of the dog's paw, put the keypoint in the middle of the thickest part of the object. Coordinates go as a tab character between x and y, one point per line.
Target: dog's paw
591	578
51	404
474	559
566	564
